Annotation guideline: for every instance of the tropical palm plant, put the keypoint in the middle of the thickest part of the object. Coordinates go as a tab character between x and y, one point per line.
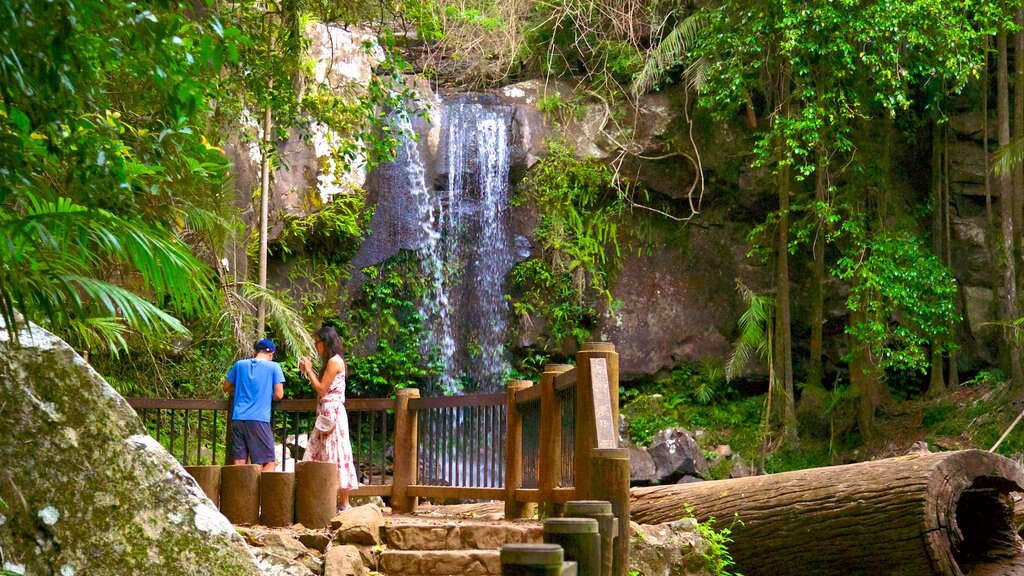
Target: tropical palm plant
755	339
670	52
68	266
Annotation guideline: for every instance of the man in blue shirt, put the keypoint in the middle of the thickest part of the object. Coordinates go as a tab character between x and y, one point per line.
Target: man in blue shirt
254	382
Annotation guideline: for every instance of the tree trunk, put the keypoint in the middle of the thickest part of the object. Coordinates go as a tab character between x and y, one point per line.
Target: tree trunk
954	374
1018	132
937	383
864	380
1008	288
814	370
946	514
783	332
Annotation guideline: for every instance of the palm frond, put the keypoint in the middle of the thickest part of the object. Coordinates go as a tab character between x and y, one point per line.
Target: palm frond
668	53
1009	157
101	333
281	314
754	325
54	254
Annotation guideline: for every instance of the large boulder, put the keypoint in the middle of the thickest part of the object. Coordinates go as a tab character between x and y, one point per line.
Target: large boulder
85	489
676	454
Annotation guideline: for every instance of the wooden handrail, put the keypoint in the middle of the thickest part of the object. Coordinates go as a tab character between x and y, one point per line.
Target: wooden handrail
528	395
469	400
566	379
291	405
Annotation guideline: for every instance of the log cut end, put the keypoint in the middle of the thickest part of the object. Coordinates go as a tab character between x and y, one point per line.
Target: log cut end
971	508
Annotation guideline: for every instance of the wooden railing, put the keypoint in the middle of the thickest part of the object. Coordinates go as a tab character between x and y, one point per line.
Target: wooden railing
531	444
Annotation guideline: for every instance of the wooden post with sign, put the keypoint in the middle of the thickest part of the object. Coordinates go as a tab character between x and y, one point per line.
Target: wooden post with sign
514	453
597	412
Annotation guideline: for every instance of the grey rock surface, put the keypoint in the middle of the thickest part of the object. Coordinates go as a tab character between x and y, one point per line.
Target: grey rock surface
85	489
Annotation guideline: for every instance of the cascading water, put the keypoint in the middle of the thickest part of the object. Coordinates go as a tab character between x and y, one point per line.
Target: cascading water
466	306
449	203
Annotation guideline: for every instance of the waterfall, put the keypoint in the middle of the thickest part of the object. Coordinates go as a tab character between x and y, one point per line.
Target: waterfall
446	197
466	308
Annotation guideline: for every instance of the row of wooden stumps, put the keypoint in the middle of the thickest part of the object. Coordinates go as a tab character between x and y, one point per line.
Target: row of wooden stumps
581	543
247	495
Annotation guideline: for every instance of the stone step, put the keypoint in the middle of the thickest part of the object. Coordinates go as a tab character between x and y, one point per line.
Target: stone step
439	562
458	536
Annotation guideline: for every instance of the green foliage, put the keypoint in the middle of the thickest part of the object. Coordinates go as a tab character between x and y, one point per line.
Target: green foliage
557	109
600	44
384	326
718	559
989	377
755	337
333	232
104	109
908	297
647	416
579	237
937	413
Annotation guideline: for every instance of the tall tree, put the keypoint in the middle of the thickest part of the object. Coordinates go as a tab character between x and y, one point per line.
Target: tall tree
1008	285
846	62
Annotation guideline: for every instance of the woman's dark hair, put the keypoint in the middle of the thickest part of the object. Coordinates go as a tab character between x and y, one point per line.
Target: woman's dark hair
332	342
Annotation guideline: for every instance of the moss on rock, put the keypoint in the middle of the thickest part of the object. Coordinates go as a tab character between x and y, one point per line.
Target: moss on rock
86	490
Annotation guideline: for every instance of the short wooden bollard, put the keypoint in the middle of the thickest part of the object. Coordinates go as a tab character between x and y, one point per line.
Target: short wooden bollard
240	493
277	498
579	540
208	478
607	526
535	560
610	481
316	493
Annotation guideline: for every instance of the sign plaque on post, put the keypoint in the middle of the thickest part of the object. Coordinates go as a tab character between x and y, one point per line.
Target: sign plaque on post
603	421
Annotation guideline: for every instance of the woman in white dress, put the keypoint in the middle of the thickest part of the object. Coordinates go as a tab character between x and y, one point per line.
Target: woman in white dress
329	440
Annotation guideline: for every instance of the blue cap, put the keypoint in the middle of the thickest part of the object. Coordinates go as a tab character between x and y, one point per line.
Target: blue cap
265	346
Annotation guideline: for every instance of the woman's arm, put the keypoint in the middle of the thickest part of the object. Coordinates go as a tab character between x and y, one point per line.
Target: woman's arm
322	385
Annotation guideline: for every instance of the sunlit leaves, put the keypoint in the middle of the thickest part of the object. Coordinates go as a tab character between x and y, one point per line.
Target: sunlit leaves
907	295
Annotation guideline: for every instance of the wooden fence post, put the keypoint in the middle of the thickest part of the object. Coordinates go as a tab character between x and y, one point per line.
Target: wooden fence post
586	423
610	481
405	452
550	459
514	452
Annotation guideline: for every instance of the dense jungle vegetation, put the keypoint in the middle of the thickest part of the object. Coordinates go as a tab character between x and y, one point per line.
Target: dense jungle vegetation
119	206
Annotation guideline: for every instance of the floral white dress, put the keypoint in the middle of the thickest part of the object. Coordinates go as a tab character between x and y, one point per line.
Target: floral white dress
334	446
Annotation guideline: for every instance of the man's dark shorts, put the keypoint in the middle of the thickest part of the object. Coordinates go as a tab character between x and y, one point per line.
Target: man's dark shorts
254	439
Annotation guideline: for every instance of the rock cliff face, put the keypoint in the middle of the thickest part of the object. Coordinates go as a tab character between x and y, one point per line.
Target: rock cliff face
84	489
679	299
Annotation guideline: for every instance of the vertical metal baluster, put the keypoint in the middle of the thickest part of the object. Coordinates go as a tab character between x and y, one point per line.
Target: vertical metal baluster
474	411
503	426
496	434
215	436
487	469
447	465
172	433
184	442
372	456
199	438
466	441
453	433
435	443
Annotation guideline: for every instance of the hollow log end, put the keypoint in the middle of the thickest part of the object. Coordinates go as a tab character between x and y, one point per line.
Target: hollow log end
969	513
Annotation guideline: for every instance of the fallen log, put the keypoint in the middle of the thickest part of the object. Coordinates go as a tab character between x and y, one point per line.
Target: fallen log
948	514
